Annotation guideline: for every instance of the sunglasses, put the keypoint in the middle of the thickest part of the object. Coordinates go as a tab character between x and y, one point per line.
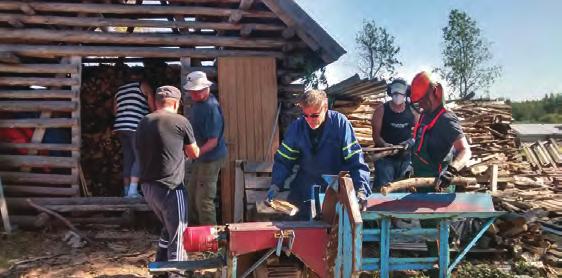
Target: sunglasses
312	116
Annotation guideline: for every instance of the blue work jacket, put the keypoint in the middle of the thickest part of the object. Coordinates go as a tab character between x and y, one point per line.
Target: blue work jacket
337	150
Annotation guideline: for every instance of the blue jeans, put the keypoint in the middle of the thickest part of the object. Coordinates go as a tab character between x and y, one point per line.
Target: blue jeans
389	169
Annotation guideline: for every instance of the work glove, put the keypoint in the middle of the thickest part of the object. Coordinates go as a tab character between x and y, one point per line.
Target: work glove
272	192
362	199
445	178
407	144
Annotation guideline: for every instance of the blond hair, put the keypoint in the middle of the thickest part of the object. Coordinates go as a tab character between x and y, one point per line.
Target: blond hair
313	98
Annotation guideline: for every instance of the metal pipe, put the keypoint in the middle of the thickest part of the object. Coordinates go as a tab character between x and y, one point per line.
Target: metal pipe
258	263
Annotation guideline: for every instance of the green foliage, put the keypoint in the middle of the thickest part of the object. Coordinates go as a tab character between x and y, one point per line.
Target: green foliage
469	270
546	110
377	51
466	56
523	268
315	79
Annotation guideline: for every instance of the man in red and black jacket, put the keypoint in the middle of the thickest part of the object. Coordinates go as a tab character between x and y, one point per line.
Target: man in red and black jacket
440	149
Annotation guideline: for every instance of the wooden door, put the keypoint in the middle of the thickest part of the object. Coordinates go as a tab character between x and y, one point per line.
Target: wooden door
248	97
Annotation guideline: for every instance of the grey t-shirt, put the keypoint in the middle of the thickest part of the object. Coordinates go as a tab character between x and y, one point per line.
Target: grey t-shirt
441	137
160	139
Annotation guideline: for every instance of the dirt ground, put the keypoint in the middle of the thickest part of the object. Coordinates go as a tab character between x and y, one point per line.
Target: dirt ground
116	253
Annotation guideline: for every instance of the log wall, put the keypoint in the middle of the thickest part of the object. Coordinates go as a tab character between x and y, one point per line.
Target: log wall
40	124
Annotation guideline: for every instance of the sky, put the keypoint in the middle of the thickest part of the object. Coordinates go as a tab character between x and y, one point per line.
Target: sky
525	36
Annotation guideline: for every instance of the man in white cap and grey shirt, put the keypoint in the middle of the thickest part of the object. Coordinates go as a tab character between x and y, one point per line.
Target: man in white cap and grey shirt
208	125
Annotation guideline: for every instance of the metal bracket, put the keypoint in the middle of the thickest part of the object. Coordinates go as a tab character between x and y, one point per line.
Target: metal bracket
281	236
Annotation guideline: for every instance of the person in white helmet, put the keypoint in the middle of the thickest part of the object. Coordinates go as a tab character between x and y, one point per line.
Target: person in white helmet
392	125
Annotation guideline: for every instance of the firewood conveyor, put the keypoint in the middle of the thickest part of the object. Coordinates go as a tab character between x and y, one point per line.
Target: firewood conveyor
333	245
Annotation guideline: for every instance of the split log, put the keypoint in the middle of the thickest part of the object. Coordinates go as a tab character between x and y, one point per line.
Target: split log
422	182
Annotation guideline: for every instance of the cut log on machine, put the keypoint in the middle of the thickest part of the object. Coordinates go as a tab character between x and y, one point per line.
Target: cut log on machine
407	184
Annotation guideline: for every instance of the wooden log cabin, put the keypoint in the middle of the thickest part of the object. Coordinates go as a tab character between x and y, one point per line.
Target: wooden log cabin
252	49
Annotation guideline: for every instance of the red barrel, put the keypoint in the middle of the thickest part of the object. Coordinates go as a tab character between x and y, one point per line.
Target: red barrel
201	239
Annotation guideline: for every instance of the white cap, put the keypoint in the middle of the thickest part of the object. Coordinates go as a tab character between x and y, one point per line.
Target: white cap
398	88
196	81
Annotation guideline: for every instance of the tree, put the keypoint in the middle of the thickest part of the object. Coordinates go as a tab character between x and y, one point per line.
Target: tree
377	52
315	79
466	57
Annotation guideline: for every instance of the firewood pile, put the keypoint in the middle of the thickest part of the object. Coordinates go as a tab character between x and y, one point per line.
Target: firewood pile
357	98
101	151
527	182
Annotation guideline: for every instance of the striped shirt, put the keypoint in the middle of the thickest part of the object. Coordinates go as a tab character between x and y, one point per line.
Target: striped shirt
132	106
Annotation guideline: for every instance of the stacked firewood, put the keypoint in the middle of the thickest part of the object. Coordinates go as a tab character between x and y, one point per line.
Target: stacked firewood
101	151
357	98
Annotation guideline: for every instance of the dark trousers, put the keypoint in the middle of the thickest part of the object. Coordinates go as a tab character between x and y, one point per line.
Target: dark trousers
170	206
389	169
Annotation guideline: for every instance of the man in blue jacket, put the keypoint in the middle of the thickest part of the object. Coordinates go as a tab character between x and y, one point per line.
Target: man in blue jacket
321	142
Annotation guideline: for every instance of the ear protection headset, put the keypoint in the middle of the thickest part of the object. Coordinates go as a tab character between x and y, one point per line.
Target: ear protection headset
398	81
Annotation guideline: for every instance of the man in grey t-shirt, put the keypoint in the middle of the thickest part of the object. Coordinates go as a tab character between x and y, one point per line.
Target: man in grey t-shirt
163	139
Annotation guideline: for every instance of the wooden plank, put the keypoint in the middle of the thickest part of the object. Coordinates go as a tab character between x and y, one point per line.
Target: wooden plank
40	146
38	68
23	94
37	161
122	22
132	9
21	178
239	80
253	182
40	190
32	105
9	58
71	36
49	51
37	81
4	210
38	123
269	106
258	167
76	131
16	203
254	195
238	215
90	208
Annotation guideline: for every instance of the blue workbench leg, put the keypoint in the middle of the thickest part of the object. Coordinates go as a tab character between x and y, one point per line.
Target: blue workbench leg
347	246
443	248
385	247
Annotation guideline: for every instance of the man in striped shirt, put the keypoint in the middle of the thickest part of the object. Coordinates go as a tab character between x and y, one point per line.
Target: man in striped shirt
132	102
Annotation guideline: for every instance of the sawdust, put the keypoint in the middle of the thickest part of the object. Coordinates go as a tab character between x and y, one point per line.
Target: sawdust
120	253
